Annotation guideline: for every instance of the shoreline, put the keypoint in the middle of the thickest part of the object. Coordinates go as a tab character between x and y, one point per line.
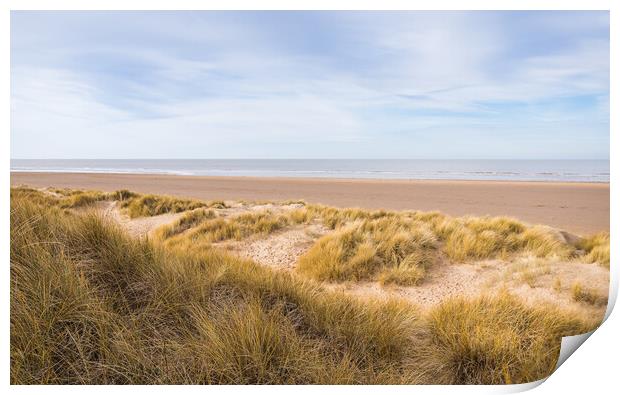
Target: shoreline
579	207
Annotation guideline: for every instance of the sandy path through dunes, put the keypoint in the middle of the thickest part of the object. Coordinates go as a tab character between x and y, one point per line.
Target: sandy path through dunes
136	227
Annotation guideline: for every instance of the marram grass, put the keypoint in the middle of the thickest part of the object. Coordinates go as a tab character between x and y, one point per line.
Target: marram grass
91	305
596	248
587	295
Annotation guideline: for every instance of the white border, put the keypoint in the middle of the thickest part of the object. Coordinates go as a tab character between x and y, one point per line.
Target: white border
593	369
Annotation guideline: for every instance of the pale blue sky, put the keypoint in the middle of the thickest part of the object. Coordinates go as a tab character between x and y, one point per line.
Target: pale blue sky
310	85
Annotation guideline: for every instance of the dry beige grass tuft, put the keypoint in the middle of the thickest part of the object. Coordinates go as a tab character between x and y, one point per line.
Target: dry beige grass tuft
388	248
187	221
596	248
150	205
487	340
587	295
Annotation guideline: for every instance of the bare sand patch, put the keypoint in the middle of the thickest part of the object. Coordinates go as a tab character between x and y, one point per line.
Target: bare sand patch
282	249
552	282
443	281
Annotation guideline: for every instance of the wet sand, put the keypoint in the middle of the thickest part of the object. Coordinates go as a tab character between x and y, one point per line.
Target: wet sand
581	208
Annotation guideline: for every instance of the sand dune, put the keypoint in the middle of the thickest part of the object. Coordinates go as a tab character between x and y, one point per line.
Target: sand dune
527	278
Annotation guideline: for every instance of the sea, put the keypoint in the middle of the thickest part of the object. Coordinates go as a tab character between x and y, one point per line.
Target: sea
406	169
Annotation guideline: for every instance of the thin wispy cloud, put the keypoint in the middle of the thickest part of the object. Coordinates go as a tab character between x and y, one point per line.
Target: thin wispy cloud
310	84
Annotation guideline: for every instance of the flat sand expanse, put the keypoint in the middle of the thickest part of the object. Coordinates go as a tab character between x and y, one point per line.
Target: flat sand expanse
582	208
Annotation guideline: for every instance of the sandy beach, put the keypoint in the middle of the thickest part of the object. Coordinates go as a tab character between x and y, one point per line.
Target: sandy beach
582	208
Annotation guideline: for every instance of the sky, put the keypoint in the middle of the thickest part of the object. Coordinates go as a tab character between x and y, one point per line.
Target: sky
207	84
